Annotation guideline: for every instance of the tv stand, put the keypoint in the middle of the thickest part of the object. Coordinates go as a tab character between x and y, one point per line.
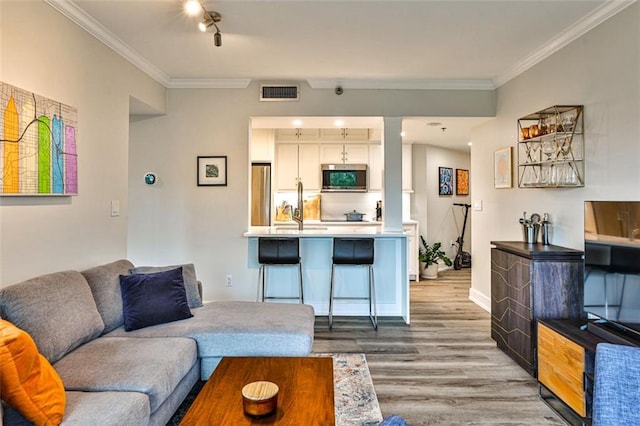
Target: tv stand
613	333
566	364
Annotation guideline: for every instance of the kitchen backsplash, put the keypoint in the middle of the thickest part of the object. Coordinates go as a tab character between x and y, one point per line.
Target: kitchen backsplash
333	206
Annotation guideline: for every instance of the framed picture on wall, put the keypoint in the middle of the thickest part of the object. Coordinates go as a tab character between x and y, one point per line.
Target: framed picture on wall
502	168
212	171
445	181
462	182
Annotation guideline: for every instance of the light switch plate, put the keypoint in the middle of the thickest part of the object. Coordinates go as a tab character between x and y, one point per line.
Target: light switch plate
477	205
115	208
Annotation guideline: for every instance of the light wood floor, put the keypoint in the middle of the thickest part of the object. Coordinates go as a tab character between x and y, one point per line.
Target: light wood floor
443	368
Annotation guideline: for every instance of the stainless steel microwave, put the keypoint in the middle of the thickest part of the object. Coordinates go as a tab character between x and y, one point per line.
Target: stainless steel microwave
344	177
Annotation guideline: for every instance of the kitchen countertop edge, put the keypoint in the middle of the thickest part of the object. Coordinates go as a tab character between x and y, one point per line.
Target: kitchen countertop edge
331	231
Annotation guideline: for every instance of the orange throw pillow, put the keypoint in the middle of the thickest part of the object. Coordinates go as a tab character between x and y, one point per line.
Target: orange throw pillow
28	382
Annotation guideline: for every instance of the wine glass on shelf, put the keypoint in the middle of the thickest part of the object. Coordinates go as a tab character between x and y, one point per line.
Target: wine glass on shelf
548	149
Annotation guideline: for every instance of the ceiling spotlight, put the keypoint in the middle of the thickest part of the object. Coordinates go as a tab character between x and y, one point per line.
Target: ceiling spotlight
192	7
209	19
434	124
217	38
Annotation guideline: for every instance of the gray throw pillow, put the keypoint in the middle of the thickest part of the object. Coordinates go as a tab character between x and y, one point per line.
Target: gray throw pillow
188	275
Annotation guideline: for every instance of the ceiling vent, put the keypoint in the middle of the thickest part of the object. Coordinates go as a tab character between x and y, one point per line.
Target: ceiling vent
279	92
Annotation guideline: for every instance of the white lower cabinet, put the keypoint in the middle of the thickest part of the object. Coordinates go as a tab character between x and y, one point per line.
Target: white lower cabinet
414	267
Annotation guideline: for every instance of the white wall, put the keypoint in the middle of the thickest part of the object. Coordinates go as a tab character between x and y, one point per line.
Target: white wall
176	221
438	218
45	53
601	71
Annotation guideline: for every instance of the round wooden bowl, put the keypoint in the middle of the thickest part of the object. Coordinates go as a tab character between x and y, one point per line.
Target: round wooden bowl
260	398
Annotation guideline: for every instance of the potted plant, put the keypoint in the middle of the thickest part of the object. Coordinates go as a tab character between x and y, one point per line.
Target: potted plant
429	257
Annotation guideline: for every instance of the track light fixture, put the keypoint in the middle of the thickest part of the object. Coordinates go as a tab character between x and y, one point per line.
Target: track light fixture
209	19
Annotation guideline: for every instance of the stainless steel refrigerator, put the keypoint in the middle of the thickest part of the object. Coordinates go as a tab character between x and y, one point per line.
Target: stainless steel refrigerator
260	194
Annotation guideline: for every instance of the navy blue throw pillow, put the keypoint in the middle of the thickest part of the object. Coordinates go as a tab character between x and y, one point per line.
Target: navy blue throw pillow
150	299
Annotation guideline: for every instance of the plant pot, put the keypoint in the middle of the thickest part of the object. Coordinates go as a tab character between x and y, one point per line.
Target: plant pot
430	272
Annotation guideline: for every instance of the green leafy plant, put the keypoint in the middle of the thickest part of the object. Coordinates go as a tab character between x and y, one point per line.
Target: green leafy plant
431	254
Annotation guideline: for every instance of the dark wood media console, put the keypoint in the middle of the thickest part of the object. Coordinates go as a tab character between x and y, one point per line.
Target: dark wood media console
530	282
566	365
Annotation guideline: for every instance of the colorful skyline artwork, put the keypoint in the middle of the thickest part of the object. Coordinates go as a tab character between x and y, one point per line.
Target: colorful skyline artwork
38	138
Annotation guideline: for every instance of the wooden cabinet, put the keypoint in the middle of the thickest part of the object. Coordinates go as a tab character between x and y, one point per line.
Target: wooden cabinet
566	368
561	367
297	162
334	153
530	282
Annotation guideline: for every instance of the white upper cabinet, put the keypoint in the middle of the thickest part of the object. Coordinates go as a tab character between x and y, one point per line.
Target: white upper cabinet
297	162
344	134
297	134
262	145
375	167
334	153
407	168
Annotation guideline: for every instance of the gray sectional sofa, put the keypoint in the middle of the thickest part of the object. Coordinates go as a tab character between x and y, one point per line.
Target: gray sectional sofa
140	377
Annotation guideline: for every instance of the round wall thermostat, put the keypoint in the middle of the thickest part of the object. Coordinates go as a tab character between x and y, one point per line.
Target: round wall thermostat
150	178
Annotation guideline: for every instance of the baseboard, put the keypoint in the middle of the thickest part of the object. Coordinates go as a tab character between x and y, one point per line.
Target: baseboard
480	299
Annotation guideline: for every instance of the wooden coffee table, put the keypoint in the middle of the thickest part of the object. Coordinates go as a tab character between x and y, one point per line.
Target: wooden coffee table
305	396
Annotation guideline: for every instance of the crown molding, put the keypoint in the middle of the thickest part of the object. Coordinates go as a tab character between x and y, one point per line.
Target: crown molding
589	22
214	83
69	9
402	84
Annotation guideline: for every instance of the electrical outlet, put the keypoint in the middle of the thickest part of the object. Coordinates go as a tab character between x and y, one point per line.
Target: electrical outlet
229	280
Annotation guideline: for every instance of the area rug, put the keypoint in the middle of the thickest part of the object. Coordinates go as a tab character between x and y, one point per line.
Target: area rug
355	399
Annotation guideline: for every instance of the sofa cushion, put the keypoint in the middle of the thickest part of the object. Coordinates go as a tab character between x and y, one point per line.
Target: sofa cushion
57	310
151	366
154	298
104	281
233	328
97	409
188	274
28	382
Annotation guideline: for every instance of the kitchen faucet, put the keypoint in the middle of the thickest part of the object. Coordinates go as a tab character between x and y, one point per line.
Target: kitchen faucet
298	212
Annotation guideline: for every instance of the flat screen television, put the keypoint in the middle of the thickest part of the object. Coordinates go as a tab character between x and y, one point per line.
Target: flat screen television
612	266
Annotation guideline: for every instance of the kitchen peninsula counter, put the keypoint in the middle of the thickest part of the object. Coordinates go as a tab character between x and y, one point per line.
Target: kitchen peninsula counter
316	247
320	230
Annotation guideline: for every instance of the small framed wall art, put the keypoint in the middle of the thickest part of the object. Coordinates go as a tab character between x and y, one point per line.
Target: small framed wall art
502	168
212	170
445	181
462	182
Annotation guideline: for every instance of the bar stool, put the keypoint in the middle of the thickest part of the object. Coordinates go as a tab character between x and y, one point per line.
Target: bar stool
281	251
354	252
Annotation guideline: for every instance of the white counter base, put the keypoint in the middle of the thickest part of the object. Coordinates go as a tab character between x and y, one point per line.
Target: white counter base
316	246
